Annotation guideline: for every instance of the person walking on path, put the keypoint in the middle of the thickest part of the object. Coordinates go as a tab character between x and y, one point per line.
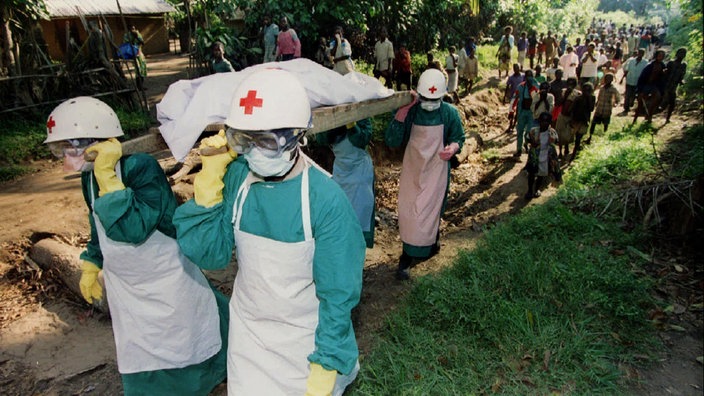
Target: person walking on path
218	63
341	53
542	156
505	48
451	68
582	108
402	68
522	47
676	70
170	325
590	64
532	48
288	45
651	87
431	131
608	98
353	170
563	125
298	245
384	57
550	43
268	34
521	106
569	62
632	70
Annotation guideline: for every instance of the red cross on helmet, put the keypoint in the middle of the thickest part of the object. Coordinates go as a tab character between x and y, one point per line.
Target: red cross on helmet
269	99
82	117
432	84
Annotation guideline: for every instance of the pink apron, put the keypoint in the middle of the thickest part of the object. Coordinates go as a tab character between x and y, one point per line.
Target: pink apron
422	186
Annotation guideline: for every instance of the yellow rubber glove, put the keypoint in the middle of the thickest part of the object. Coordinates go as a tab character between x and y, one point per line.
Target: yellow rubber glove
208	185
90	287
109	152
320	381
350	125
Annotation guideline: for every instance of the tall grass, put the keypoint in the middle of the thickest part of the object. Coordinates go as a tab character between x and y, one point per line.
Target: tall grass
551	301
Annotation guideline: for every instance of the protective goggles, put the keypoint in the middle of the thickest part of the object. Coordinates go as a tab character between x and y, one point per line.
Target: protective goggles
70	147
272	143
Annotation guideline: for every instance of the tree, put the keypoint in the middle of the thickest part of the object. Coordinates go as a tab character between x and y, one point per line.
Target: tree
16	17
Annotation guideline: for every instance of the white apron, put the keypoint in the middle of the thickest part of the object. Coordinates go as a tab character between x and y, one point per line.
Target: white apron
422	186
273	310
354	172
164	314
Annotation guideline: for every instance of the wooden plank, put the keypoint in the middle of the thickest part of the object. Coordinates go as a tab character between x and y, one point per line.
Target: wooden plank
149	143
330	117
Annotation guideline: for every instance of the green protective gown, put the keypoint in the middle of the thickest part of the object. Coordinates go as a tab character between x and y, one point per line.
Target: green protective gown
131	215
273	210
398	134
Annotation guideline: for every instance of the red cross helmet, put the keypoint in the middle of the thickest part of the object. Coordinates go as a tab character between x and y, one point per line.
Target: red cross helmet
432	84
82	117
269	99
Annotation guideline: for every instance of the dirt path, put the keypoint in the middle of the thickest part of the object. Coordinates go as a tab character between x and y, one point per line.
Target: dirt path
49	344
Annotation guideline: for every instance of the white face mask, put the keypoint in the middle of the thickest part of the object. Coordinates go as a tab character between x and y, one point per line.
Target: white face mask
74	162
430	105
267	167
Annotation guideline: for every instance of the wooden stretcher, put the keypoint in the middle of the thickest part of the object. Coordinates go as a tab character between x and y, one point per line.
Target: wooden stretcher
324	119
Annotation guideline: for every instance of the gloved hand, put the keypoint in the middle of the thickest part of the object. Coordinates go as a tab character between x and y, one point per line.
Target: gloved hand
108	153
403	111
320	381
448	151
350	125
208	185
89	285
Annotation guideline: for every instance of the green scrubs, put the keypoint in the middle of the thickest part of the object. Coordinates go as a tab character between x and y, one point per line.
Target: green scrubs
273	210
131	215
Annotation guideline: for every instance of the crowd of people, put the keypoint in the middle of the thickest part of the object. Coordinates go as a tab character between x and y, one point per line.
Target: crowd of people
579	90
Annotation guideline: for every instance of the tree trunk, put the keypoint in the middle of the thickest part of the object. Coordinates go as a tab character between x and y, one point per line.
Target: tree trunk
8	45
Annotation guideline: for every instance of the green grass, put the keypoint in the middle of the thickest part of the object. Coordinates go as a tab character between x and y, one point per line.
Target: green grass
545	302
553	300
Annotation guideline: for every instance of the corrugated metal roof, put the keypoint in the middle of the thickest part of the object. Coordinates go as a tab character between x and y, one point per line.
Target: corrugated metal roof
66	8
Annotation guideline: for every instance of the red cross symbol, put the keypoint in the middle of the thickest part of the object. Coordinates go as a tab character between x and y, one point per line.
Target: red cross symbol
50	124
432	89
251	101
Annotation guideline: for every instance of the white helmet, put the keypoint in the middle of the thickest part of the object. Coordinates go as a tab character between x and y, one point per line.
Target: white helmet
269	99
82	117
432	84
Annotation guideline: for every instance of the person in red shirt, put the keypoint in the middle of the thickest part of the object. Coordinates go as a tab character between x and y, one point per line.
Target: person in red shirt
402	68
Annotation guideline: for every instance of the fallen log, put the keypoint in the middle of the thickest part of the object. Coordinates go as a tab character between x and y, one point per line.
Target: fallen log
52	255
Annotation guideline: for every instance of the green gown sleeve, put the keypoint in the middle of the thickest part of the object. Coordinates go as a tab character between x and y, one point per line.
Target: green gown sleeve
361	134
92	252
398	132
337	272
454	131
205	235
146	204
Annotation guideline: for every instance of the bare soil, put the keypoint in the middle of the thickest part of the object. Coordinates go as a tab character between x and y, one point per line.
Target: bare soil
51	343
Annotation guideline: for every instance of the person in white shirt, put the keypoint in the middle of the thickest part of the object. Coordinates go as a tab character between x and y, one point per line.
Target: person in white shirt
590	62
384	56
569	62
